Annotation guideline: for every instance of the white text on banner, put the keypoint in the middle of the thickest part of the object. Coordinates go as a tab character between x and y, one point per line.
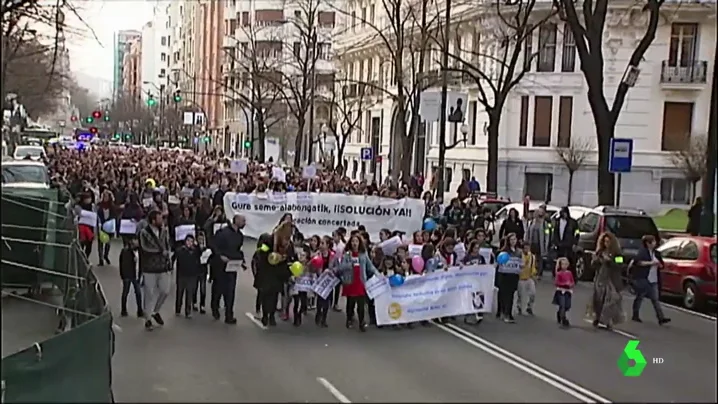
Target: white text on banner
324	213
439	294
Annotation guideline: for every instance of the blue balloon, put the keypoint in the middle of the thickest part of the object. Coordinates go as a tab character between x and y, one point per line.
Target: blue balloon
396	280
503	258
109	227
429	224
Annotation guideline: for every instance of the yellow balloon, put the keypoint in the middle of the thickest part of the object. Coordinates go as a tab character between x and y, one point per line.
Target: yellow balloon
297	269
104	237
264	248
274	258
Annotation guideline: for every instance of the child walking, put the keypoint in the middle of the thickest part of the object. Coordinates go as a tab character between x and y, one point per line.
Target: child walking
564	283
325	252
527	284
299	295
129	276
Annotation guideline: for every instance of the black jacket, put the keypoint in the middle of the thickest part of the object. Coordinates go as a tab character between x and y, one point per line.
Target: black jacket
640	272
188	263
512	226
271	278
227	242
570	234
128	264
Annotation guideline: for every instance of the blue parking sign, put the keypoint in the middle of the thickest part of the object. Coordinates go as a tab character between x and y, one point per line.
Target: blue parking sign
367	153
620	157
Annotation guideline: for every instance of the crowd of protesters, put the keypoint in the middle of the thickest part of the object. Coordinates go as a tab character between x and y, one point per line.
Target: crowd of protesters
164	189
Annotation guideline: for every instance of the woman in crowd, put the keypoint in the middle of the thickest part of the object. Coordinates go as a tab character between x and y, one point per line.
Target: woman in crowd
512	224
607	301
105	212
86	232
646	277
508	278
354	270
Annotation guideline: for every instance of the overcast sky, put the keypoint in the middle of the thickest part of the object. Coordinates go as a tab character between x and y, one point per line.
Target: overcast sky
92	58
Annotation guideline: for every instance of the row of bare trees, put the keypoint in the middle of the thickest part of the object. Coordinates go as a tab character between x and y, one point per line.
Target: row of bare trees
282	77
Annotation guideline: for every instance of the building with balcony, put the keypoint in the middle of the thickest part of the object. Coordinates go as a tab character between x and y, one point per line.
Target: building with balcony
121	39
132	70
549	108
265	52
155	52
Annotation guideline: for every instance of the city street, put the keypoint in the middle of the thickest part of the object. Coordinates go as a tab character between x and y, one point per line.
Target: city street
530	361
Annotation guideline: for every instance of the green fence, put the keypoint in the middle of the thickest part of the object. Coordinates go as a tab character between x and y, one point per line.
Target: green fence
40	251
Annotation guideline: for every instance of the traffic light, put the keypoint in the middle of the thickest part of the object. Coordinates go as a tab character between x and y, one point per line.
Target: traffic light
151	101
96	114
106	116
89	119
247	144
178	96
93	130
73	118
206	139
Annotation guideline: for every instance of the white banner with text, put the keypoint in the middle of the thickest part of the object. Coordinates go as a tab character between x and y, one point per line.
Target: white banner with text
458	291
321	214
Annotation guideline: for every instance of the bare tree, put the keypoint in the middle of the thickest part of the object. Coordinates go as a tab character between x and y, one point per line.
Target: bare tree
130	115
692	161
500	55
574	156
588	26
345	115
82	99
404	35
253	77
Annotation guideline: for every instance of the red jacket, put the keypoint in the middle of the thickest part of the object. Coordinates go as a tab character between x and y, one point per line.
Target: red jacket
87	233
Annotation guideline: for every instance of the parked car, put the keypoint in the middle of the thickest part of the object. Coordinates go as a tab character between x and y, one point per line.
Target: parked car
33	152
503	213
628	225
25	174
490	201
690	270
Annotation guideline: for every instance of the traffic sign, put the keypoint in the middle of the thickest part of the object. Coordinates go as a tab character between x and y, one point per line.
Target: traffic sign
620	158
367	153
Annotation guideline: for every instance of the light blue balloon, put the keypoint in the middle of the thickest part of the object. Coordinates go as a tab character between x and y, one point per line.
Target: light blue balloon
503	258
429	224
109	227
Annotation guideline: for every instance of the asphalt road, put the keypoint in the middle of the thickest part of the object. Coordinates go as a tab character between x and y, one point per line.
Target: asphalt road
532	361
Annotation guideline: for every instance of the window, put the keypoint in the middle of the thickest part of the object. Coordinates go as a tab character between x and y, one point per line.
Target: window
568	55
565	113
528	49
367	132
675	191
163	41
466	174
297	49
163	57
632	227
297	14
375	141
524	121
588	223
354	20
476	46
355	168
688	251
265	18
538	186
163	72
419	161
326	19
682	48
677	125
670	249
473	109
542	121
448	177
547	48
363	16
245	18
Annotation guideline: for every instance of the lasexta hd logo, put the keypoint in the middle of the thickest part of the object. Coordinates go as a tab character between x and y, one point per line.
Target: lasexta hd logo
632	362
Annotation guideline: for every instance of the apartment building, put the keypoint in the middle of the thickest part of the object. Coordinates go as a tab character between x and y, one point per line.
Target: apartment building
548	109
132	70
174	11
266	35
121	39
156	56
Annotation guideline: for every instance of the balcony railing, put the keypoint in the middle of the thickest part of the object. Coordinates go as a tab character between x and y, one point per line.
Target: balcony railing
689	73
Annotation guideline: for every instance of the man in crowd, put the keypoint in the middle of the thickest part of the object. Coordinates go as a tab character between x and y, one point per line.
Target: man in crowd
155	266
539	238
227	259
565	237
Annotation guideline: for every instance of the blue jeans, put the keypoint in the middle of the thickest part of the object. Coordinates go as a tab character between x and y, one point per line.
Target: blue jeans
646	289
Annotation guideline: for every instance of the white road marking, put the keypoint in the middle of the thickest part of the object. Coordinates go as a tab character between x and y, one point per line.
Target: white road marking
614	330
333	390
256	322
578	392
